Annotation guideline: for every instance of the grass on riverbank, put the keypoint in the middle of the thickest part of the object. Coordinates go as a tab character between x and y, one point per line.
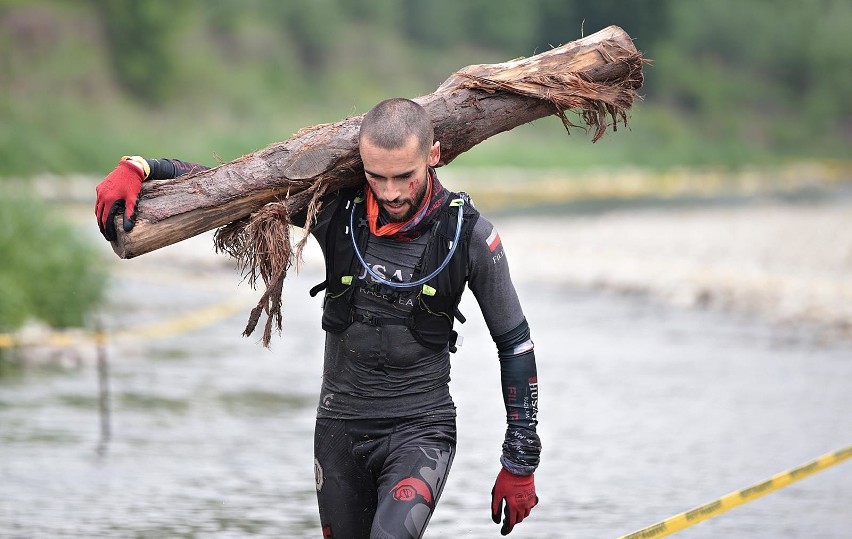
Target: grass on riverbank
48	273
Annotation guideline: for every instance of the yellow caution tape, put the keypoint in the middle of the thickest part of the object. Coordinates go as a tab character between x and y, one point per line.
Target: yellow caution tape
7	341
176	326
739	497
184	324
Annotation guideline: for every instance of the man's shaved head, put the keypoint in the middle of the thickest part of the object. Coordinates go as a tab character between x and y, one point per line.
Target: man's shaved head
392	122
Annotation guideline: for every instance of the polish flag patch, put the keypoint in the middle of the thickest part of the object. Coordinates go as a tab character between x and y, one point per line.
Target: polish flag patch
493	240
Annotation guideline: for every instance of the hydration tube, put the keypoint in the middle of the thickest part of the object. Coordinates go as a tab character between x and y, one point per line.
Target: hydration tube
393	284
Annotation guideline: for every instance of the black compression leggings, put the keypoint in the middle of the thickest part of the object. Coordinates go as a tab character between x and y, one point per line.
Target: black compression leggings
381	478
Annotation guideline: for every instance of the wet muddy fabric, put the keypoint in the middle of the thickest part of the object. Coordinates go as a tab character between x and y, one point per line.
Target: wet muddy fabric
380	371
381	478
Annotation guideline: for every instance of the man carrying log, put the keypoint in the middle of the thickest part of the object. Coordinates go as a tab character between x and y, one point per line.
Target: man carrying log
398	252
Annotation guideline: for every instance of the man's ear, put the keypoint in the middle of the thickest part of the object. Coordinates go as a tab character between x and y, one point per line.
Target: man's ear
435	153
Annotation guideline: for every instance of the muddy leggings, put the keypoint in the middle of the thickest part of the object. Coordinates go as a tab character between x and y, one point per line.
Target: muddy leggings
381	478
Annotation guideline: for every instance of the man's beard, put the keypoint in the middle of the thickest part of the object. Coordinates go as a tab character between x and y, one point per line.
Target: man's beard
414	204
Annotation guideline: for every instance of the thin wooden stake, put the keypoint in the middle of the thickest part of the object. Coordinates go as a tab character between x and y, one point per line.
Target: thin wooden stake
103	388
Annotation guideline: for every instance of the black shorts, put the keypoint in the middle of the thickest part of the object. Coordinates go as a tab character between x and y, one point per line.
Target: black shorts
381	478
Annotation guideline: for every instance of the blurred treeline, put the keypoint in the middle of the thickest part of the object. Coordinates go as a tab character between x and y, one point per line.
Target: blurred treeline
86	81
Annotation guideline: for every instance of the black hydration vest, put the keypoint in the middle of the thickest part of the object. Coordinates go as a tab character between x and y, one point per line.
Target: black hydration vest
435	303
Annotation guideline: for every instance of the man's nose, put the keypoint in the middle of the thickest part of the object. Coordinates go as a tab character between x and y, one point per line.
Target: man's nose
392	190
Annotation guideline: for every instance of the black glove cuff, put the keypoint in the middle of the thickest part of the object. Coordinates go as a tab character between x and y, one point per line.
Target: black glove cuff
521	451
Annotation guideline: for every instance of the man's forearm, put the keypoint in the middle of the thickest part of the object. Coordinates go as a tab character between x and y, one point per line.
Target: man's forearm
166	169
519	378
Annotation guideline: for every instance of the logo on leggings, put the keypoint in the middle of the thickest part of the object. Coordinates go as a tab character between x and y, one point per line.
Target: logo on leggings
409	488
318	475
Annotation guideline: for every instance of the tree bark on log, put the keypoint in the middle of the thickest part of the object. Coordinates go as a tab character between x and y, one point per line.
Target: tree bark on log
598	76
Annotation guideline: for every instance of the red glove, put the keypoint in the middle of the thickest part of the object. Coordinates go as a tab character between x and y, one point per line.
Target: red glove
119	191
519	493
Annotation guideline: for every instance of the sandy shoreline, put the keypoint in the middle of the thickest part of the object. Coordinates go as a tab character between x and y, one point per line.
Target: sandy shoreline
785	263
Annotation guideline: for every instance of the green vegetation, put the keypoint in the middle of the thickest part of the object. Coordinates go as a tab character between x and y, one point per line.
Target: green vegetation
47	272
732	82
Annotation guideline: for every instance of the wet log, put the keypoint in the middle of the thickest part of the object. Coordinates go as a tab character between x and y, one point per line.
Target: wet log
598	76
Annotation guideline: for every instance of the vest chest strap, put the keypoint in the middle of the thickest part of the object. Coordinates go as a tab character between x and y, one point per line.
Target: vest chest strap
358	315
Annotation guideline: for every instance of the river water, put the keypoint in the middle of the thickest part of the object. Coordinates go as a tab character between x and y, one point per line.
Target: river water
647	410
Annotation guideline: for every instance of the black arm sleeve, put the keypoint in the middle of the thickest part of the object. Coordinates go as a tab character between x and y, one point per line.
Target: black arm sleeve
521	446
492	285
166	169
